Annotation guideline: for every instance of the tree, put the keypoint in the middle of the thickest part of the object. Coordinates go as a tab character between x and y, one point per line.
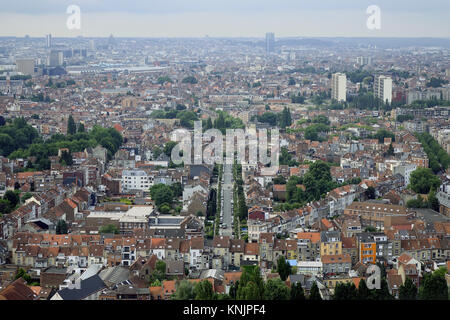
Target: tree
285	119
190	79
2	121
12	197
390	151
25	197
160	270
345	291
269	118
381	134
279	180
110	228
382	293
161	194
433	201
434	286
185	291
251	285
66	158
168	147
71	126
423	180
370	193
283	268
363	290
276	289
408	290
61	227
204	291
177	189
297	292
21	273
81	127
314	293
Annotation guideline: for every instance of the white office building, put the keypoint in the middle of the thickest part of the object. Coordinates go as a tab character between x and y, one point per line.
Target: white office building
339	87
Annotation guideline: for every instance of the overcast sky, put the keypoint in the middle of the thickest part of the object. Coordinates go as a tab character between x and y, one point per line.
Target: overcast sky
225	18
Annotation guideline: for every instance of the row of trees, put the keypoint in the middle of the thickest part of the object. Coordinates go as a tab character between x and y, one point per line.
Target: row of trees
438	157
249	287
241	210
434	287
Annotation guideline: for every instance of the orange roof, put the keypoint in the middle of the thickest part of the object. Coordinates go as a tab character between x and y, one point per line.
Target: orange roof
356	281
118	127
232	276
314	237
156	291
294	171
251	248
36	289
71	203
279	187
327	223
336	258
169	286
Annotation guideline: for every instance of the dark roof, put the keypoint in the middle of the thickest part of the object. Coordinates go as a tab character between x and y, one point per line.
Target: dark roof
87	287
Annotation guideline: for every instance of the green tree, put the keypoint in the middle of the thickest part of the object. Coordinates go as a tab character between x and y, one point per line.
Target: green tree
161	194
61	227
433	201
81	128
110	228
370	193
66	158
297	292
204	291
434	286
13	197
276	289
71	126
21	273
423	180
314	293
345	291
363	290
251	285
185	291
283	268
408	290
285	119
177	189
382	293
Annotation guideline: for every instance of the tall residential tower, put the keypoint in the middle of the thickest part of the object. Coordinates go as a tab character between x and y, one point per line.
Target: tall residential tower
339	87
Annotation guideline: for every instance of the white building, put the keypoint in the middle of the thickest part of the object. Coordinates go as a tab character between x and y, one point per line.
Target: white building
405	169
383	88
135	180
339	87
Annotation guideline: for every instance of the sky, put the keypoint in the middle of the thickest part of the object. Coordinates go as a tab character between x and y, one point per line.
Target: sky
225	18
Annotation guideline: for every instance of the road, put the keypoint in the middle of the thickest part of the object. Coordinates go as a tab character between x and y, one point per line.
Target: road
227	190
